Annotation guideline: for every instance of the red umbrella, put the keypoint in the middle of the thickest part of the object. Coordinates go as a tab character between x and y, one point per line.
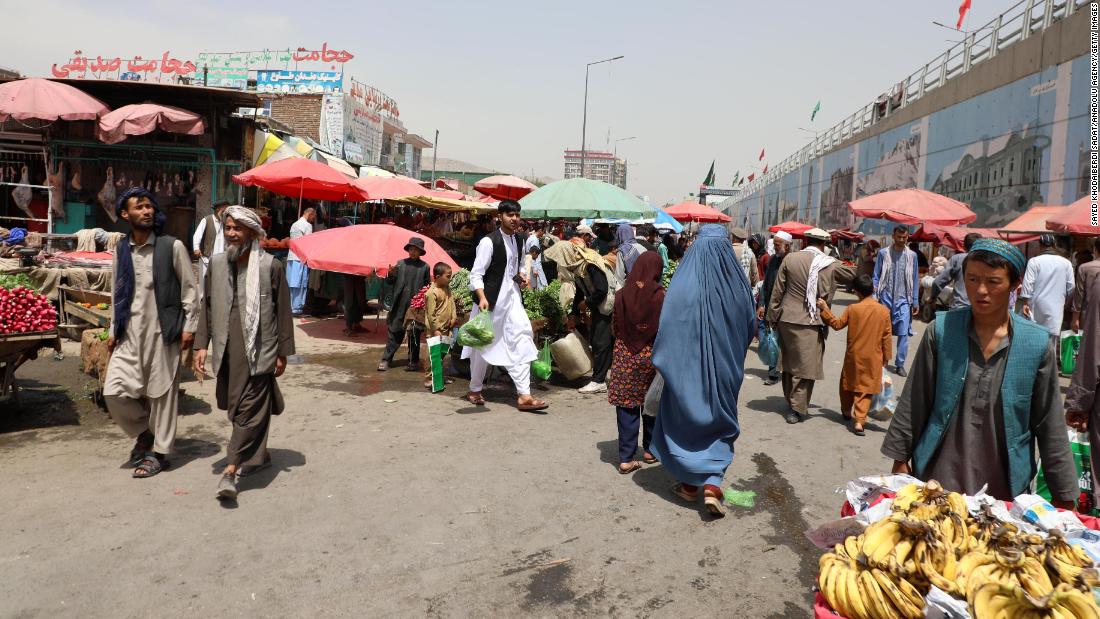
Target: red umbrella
302	178
446	193
913	206
693	211
846	234
142	118
1033	221
504	187
487	199
1074	219
793	228
386	188
365	249
35	98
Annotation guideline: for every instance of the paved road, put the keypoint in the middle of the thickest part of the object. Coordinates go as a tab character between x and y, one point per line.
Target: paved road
386	500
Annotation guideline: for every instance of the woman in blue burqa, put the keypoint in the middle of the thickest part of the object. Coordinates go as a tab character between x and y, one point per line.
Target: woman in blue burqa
706	325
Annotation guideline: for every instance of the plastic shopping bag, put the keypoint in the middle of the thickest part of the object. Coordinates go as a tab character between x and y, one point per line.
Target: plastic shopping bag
653	396
1082	461
541	367
478	332
884	402
1070	345
768	350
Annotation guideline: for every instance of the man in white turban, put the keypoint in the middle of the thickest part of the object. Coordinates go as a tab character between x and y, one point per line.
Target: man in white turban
250	329
781	244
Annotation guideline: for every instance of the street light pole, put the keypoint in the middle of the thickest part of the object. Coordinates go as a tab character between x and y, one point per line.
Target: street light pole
584	121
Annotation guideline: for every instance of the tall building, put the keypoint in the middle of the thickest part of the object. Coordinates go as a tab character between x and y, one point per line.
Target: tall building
598	165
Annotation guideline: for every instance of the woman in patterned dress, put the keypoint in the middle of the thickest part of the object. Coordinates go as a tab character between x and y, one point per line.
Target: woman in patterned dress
636	316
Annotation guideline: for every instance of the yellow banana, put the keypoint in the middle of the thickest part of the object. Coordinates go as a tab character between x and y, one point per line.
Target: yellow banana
880	542
900	601
910	592
874	599
825	580
1035	579
855	597
990	600
902	550
1080	605
852	546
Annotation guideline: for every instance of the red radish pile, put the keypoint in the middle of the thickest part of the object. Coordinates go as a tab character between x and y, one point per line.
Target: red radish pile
23	310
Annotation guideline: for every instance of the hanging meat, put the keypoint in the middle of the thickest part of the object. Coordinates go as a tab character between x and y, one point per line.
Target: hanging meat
56	182
22	194
74	181
106	196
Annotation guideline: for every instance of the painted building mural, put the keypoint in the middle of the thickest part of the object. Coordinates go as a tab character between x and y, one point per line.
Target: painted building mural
1000	152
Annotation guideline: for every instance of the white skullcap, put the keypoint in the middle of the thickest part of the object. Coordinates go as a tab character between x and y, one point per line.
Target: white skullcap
784	235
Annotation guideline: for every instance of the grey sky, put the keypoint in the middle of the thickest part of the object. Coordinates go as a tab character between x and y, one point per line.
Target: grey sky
503	82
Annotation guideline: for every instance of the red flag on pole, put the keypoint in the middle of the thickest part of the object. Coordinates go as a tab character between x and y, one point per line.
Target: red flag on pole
762	150
765	169
751	176
963	8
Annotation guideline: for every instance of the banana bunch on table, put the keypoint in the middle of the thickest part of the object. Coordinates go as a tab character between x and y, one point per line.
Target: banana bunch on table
931	539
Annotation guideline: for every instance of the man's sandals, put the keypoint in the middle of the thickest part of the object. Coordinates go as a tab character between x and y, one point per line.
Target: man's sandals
150	465
475	398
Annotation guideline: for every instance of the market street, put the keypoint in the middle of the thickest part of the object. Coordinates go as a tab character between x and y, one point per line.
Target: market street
387	500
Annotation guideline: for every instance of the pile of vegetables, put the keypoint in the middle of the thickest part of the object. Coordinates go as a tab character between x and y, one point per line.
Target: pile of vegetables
15	281
545	303
460	290
269	243
23	310
670	270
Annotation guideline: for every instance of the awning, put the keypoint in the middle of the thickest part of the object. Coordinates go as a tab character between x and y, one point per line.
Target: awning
1033	221
952	236
336	162
445	204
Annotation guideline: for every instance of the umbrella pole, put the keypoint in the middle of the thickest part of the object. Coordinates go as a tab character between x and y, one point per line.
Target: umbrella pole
301	189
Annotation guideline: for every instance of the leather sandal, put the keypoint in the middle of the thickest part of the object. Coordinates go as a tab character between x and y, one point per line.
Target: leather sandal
475	398
531	407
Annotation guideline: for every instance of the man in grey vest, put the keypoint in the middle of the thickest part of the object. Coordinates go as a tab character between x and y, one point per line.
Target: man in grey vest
247	326
208	239
155	305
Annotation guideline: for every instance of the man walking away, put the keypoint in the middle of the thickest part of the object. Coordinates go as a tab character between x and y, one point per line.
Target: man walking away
953	274
246	316
408	277
897	286
297	274
1048	280
745	255
781	243
155	315
804	277
208	239
496	281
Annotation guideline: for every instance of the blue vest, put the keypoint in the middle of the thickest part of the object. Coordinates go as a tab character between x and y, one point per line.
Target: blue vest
1025	352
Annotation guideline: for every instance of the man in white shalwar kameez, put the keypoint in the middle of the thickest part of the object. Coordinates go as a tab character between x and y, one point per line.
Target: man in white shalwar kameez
495	281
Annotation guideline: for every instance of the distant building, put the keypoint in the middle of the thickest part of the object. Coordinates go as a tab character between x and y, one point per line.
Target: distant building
598	166
460	174
9	74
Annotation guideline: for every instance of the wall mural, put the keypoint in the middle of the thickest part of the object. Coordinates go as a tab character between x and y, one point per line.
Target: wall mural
1000	152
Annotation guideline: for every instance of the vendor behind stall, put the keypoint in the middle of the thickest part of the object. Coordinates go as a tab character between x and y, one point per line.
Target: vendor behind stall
983	429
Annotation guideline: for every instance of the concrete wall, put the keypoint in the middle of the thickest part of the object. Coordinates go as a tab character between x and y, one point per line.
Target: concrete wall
1009	133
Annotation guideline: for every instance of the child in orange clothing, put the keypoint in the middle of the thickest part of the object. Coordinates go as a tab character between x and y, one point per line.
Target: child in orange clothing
869	350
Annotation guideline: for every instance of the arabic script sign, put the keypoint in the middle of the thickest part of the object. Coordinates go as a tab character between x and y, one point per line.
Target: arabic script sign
317	82
374	99
79	66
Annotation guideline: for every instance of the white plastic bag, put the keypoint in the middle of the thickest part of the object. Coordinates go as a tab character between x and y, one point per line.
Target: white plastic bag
884	403
653	396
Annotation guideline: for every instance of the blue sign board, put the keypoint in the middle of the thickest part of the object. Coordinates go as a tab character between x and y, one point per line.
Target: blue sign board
314	82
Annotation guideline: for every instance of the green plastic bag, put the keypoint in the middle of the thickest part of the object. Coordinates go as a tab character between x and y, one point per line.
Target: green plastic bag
1082	462
1070	345
541	367
478	332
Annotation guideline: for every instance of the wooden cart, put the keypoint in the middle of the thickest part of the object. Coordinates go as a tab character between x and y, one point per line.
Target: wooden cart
16	349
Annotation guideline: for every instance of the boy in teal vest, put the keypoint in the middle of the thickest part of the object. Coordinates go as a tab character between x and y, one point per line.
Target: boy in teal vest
983	393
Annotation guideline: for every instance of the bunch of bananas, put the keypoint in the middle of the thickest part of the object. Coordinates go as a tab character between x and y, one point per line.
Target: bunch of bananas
931	539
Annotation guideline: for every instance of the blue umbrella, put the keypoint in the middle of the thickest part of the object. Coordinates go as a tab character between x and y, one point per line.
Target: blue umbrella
664	220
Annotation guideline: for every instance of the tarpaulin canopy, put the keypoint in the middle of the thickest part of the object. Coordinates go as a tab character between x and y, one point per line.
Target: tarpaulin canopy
504	187
693	211
952	236
302	178
846	235
913	206
334	162
365	249
664	221
445	204
793	228
40	99
142	118
1074	219
386	188
576	198
1033	221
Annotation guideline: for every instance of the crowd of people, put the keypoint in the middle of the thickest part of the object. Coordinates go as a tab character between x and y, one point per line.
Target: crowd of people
670	361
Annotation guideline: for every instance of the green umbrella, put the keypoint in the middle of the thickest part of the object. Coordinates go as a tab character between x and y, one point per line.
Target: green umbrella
577	198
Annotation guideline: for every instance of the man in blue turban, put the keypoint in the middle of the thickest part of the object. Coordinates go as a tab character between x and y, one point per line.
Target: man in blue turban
706	325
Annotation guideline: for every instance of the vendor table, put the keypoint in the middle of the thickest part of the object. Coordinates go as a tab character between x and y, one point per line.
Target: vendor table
18	348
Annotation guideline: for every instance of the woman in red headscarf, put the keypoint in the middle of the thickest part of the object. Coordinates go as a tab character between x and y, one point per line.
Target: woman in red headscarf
636	316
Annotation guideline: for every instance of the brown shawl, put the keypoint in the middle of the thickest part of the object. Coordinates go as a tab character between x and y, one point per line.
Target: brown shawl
638	305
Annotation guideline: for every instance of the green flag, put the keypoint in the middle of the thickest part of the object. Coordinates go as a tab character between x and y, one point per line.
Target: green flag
709	180
817	108
736	177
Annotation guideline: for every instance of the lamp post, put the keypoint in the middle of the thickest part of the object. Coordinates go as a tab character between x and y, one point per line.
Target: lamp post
584	121
616	152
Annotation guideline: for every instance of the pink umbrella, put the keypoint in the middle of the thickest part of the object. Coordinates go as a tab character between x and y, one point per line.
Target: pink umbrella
504	187
913	206
366	249
35	98
384	188
447	193
693	211
302	178
142	118
793	228
1074	219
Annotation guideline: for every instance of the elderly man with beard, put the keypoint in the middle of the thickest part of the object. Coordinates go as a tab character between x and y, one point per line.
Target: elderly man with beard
247	324
155	305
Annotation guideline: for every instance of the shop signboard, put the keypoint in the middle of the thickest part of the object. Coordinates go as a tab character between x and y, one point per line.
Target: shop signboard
299	82
362	132
332	123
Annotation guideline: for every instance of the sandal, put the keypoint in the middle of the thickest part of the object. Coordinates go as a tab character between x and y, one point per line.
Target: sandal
712	500
858	430
151	465
474	398
537	405
633	466
649	458
687	495
137	454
